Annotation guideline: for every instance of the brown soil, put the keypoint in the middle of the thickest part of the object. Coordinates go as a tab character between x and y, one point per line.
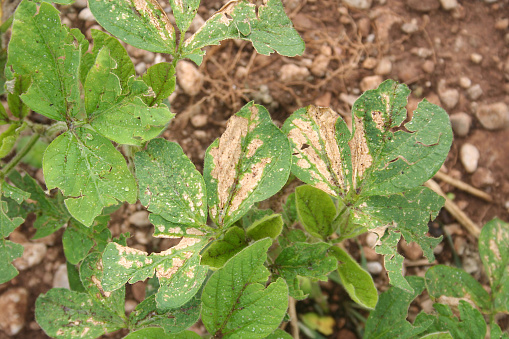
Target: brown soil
440	50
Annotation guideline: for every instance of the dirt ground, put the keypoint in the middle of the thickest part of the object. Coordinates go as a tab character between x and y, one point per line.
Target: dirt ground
455	54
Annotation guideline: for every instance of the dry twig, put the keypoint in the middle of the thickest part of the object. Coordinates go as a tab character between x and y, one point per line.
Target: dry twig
463	186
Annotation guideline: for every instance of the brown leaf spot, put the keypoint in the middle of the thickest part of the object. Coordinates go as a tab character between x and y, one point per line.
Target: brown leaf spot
378	118
176	264
142	7
361	159
253	146
495	250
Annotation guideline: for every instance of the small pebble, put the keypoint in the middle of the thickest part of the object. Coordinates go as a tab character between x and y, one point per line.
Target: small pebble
428	66
476	58
140	219
493	116
469	156
371	239
140	68
86	15
374	267
199	120
412	251
189	77
384	67
465	82
370	82
423	5
13	310
483	177
32	255
410	27
292	72
364	26
359	4
370	254
61	280
369	63
449	4
502	24
319	65
474	92
461	123
80	4
130	305
449	97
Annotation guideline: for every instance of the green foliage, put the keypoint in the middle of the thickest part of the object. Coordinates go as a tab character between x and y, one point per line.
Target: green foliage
316	211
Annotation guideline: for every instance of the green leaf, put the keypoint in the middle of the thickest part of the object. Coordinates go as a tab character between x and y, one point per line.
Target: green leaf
143	24
73	275
62	313
437	335
8	138
146	314
292	236
125	119
290	215
45	51
220	251
472	324
8	250
158	333
453	285
356	281
268	226
496	332
89	171
266	26
388	320
279	334
316	211
249	163
305	260
16	88
4	117
15	193
78	239
184	12
34	156
178	270
172	188
236	303
161	80
494	252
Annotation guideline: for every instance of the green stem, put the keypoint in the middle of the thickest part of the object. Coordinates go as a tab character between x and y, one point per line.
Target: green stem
20	155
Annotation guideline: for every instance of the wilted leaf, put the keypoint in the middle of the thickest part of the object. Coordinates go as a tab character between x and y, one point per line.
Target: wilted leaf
494	252
323	324
305	260
89	171
266	26
356	281
249	163
236	302
44	50
141	23
218	253
450	285
316	211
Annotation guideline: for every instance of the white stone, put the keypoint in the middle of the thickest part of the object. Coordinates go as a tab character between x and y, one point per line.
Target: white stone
410	27
461	123
199	120
371	239
61	280
86	15
140	68
493	116
469	156
474	92
80	4
189	77
319	65
465	82
13	309
359	4
32	255
370	82
374	267
448	96
449	4
292	72
140	219
476	58
384	67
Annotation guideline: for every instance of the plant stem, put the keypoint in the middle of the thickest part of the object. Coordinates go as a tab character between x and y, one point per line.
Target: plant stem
20	155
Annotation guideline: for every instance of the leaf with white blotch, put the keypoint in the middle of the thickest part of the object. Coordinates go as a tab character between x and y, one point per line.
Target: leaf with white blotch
388	320
78	239
161	80
356	281
91	274
267	27
471	325
316	211
236	302
62	313
171	188
141	23
220	251
249	163
159	333
89	171
178	270
125	119
43	49
305	260
494	252
184	12
125	67
15	193
147	314
450	285
8	250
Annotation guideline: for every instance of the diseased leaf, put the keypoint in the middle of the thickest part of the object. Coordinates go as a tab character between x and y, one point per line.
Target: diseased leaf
147	314
8	250
472	324
268	226
356	281
236	303
15	193
316	211
8	138
184	12
62	313
178	270
125	119
249	163
89	171
172	189
46	51
161	80
388	320
494	252
305	260
141	23
218	253
267	27
450	285
159	333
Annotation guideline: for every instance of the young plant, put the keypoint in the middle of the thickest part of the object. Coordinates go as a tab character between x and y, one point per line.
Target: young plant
451	287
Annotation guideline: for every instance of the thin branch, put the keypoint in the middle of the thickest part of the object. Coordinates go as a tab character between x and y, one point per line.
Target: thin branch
463	186
294	321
